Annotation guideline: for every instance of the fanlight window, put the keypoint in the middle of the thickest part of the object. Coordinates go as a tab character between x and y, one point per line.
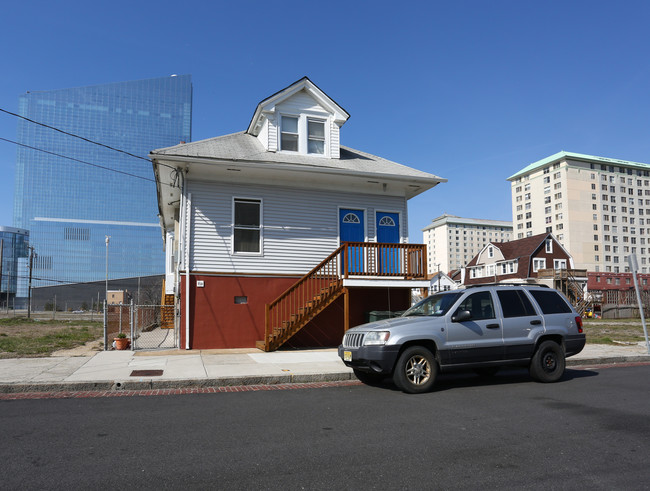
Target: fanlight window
387	222
351	218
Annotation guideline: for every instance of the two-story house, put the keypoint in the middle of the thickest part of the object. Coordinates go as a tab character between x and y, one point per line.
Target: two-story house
279	235
537	259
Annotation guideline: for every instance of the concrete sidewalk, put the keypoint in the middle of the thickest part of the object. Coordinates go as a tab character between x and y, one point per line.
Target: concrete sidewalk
128	370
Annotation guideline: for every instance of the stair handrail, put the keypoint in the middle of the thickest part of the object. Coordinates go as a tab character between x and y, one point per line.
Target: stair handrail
331	279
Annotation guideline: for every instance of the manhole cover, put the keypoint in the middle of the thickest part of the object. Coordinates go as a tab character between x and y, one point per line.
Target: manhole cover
146	373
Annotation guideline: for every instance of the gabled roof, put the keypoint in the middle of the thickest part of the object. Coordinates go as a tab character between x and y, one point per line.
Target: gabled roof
243	147
575	156
515	249
268	104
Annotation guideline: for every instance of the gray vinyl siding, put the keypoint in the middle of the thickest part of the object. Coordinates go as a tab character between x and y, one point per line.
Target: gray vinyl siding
300	227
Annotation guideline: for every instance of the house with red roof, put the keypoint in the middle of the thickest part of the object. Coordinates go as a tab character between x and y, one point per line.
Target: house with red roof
536	259
517	260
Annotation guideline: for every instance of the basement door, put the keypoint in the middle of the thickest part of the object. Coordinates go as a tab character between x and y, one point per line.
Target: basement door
388	233
351	229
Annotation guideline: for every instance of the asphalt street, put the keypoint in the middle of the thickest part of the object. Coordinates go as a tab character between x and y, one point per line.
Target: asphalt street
591	430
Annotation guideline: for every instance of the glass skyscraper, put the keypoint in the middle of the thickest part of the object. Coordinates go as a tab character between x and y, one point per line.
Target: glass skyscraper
70	206
13	283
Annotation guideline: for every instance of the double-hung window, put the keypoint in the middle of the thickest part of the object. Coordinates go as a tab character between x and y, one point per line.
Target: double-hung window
247	226
289	137
303	134
315	136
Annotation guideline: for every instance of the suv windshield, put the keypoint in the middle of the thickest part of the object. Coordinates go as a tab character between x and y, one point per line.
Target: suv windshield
435	305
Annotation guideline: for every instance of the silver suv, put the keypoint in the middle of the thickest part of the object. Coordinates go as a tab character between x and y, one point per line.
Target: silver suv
481	327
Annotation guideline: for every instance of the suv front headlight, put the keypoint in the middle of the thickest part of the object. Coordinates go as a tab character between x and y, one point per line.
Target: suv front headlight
376	338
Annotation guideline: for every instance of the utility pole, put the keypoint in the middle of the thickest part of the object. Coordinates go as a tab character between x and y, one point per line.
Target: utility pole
32	254
438	277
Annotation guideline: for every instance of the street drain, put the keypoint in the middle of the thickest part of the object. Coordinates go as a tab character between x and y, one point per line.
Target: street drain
146	373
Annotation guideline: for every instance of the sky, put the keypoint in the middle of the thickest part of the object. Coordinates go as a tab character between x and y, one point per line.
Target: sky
472	91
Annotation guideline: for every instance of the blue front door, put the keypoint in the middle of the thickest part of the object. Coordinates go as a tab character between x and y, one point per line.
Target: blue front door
352	230
388	233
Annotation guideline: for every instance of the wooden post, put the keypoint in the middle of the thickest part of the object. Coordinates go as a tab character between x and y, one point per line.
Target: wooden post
346	309
267	321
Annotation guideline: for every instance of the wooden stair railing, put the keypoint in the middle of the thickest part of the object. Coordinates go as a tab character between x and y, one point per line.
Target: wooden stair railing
303	301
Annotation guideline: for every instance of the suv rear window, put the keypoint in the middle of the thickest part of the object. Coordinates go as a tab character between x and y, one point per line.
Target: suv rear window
515	303
550	302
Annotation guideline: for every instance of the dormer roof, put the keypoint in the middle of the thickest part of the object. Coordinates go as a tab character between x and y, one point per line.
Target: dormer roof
268	105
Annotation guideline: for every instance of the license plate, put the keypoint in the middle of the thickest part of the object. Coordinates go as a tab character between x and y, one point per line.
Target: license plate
347	356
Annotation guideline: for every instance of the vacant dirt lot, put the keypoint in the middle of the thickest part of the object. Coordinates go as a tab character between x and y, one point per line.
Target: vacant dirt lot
28	338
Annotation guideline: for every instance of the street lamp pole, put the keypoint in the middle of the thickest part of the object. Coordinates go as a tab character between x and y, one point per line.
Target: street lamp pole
107	241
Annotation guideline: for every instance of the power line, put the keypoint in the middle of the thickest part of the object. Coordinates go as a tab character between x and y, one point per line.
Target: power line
73	135
81	138
84	162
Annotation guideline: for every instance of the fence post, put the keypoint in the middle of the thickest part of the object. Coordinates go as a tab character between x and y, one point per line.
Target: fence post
105	328
132	318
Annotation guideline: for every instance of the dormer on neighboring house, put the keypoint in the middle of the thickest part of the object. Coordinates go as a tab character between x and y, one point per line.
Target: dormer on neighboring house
301	119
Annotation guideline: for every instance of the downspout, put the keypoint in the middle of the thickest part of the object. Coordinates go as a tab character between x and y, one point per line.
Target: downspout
180	253
188	239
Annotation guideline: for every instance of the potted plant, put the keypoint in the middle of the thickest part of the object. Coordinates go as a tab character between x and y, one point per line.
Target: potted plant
121	341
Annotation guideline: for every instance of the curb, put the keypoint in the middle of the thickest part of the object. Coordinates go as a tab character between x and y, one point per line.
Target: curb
117	385
152	384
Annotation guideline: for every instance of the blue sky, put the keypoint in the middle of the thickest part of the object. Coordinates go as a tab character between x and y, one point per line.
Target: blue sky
472	91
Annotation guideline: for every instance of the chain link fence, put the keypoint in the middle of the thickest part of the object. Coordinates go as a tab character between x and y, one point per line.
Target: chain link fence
146	327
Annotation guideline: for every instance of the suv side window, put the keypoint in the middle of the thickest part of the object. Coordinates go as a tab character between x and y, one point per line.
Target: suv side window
550	302
480	306
515	303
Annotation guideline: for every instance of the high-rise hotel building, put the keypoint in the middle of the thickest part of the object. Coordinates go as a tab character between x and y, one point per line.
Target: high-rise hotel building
598	208
70	194
453	241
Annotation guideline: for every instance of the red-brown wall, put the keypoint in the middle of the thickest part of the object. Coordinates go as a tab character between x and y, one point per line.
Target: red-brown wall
217	322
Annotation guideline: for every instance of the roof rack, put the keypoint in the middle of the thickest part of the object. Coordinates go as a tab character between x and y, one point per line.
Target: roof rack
476	285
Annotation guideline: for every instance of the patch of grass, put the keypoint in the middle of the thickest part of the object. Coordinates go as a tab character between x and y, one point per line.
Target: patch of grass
604	331
28	338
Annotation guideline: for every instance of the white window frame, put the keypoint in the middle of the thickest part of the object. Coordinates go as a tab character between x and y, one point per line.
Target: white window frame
559	263
281	132
233	252
549	242
539	263
303	133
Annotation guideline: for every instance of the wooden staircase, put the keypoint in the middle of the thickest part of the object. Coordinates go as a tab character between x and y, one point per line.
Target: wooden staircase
296	307
565	281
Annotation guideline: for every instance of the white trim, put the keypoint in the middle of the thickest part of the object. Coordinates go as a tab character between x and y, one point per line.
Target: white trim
338	221
188	232
402	237
232	227
542	264
386	283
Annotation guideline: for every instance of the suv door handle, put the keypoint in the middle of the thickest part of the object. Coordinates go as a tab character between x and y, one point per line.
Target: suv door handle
492	326
535	322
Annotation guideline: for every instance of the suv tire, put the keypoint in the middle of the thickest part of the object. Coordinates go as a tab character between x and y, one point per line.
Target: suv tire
548	362
416	370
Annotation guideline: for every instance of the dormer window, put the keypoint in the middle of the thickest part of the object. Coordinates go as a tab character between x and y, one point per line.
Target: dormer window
316	137
289	138
303	134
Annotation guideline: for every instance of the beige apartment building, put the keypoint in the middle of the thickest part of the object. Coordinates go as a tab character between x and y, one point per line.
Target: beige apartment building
598	208
453	241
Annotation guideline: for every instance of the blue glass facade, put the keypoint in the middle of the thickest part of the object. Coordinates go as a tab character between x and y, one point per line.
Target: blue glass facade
68	206
15	244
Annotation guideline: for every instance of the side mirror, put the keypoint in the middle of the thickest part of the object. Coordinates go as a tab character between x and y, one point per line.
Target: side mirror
461	316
